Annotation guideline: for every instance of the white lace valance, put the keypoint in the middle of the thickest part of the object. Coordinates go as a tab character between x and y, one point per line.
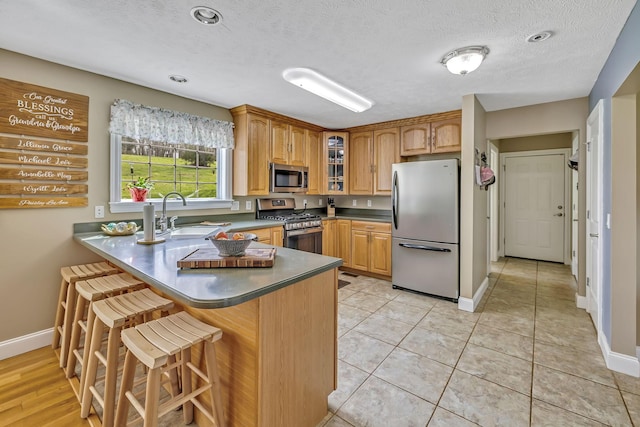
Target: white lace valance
157	124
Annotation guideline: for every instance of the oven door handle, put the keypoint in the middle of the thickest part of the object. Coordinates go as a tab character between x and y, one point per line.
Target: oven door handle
291	233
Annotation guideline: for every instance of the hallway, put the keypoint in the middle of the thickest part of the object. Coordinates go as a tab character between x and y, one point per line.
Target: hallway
528	356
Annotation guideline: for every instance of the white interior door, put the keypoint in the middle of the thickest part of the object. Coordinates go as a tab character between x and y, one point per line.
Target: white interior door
535	207
594	209
575	144
493	203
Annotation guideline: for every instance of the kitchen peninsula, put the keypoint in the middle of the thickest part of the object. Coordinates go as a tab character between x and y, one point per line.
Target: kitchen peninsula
278	353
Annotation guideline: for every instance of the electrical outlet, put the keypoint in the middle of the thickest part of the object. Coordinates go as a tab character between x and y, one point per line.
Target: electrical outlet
99	212
247	205
368	203
355	202
304	202
235	206
319	202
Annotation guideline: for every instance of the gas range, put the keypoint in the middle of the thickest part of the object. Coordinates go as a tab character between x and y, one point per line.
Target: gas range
283	210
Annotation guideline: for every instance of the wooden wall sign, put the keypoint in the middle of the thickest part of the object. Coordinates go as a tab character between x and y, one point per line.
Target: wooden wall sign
27	109
41	168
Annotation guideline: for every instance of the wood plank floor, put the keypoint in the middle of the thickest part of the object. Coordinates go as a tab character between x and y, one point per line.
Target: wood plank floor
35	392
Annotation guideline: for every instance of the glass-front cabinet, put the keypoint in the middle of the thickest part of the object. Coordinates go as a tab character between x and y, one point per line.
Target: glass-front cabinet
336	162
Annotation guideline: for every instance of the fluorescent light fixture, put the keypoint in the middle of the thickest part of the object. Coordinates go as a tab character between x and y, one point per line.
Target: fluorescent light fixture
464	60
326	88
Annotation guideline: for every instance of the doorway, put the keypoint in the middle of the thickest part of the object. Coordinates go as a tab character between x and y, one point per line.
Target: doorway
536	206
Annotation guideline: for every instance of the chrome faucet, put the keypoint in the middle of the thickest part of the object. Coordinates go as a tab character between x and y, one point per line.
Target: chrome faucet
162	222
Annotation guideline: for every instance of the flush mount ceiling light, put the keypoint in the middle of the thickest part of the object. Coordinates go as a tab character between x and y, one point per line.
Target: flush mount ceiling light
178	79
326	88
464	60
205	15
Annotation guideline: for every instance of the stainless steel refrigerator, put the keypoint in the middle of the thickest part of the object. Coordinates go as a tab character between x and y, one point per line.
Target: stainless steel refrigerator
425	227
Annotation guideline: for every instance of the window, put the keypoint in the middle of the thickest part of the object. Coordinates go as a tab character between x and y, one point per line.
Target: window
147	142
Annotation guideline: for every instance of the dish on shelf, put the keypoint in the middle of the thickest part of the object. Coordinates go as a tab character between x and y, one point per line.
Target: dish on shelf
120	229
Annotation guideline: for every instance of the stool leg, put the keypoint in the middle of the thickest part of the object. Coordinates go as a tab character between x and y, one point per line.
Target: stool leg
86	354
111	374
187	387
214	380
68	320
76	330
91	361
128	374
152	398
59	314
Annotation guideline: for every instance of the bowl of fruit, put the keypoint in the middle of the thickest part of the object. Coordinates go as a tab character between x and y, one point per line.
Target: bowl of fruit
231	244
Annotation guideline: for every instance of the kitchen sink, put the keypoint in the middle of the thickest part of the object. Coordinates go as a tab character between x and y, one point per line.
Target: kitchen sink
193	232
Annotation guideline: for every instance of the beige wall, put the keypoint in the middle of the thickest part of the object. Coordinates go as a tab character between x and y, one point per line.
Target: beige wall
551	118
536	142
37	242
473	201
624	233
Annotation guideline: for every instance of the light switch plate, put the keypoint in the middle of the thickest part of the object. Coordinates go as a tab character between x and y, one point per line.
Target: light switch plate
355	202
368	203
319	202
235	206
247	205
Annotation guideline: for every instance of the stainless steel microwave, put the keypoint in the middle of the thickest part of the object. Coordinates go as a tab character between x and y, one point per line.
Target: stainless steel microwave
288	179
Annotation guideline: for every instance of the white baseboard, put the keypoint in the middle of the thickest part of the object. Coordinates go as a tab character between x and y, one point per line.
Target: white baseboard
619	362
25	343
469	304
581	302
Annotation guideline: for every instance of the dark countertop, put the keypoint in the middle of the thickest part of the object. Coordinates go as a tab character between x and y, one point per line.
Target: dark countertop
204	288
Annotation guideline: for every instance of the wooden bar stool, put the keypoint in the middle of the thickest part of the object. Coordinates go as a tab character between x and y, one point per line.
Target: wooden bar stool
114	313
66	299
89	291
155	344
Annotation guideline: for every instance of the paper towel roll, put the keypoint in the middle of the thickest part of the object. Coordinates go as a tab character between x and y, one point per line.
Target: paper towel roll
148	222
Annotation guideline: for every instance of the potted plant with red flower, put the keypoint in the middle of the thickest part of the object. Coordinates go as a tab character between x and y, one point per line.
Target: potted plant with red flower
139	189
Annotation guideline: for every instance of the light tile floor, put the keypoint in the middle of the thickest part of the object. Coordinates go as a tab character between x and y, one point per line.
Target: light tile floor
527	357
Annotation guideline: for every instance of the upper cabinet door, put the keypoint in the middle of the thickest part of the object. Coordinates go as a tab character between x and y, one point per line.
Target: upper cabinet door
414	139
446	136
386	152
314	162
336	163
279	142
361	163
297	146
256	159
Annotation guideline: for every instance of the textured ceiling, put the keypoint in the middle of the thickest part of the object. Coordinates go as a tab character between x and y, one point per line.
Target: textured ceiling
388	51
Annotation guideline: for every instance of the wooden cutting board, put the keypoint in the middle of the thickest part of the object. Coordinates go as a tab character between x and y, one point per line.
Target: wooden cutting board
210	258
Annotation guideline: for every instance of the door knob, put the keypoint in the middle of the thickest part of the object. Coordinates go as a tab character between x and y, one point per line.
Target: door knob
558	214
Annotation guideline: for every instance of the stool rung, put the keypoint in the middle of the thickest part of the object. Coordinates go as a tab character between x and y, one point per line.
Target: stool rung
166	408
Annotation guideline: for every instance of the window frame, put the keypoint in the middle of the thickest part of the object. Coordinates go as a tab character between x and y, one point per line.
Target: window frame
224	185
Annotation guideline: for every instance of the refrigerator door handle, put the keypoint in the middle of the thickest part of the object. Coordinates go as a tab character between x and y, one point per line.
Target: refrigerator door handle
394	200
424	248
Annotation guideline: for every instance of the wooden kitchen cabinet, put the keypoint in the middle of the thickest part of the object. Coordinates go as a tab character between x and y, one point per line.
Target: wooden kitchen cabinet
361	163
371	247
277	236
440	136
335	160
262	234
288	144
262	137
414	139
446	136
251	154
314	162
329	237
372	155
343	241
